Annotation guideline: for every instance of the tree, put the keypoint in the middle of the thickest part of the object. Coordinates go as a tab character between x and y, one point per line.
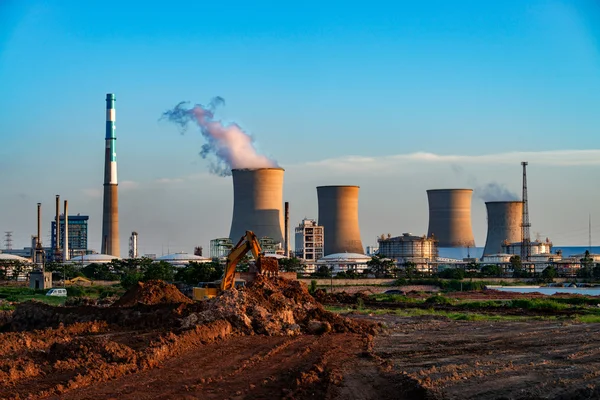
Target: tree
549	273
380	266
290	264
160	270
322	272
587	266
100	272
491	270
200	272
452	273
517	267
410	269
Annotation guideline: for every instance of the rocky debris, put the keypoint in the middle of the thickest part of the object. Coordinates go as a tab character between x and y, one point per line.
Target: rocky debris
151	292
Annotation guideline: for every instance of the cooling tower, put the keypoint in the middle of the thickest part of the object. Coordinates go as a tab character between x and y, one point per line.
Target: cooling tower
450	217
257	203
504	223
338	215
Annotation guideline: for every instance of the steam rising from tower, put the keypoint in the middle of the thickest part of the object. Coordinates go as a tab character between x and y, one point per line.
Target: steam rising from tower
110	209
232	147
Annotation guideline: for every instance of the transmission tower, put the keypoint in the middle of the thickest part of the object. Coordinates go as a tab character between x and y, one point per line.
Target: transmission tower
525	225
8	240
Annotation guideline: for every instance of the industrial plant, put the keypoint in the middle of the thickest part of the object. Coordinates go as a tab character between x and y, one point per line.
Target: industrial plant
332	239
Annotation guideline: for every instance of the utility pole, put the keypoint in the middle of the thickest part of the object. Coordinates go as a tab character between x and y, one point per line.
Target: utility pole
525	225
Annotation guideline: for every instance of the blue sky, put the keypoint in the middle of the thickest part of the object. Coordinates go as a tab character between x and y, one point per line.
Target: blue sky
315	83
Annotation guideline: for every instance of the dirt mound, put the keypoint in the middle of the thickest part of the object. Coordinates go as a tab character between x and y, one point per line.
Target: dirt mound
340	297
151	292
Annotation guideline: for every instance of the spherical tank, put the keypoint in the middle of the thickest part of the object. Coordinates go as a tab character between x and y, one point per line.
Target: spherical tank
257	203
450	217
338	214
504	223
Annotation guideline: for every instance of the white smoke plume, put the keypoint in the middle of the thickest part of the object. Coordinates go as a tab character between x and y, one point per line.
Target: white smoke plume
495	192
232	147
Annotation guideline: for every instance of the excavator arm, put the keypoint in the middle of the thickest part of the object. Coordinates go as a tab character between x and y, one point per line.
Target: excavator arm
249	242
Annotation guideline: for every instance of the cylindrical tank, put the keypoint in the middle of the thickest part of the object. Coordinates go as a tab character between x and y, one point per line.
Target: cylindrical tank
338	215
504	223
450	217
257	203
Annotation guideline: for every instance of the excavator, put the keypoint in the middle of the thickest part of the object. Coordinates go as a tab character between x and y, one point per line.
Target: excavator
263	265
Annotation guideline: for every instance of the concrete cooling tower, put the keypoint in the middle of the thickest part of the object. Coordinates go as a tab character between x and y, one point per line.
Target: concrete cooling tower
257	203
450	217
338	214
504	223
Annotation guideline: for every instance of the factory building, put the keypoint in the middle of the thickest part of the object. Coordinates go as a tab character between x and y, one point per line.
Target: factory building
338	215
537	248
345	262
182	259
78	234
504	224
220	247
450	217
309	240
420	250
257	203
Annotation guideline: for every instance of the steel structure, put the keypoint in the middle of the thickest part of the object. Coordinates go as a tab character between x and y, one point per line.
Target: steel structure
525	225
133	245
110	207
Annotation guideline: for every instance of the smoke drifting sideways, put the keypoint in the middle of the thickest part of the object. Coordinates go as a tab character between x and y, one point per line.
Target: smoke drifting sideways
228	143
495	192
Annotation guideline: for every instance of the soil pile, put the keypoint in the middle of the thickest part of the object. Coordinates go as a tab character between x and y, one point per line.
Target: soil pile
152	292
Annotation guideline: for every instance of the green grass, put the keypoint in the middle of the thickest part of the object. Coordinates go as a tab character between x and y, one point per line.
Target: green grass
23	294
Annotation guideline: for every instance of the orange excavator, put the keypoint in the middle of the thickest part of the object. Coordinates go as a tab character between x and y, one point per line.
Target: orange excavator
248	243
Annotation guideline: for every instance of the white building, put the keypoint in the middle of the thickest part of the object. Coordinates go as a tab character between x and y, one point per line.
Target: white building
182	259
345	262
537	247
309	243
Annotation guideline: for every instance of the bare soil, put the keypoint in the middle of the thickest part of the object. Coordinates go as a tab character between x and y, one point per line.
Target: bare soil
272	340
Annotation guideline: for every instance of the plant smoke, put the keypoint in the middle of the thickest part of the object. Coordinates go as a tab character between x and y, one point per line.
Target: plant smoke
495	192
231	147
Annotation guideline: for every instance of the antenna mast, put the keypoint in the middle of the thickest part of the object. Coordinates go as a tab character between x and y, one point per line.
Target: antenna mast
590	233
525	225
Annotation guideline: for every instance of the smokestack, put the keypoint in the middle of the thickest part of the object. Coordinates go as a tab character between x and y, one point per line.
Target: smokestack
257	201
65	256
39	226
338	214
504	224
110	208
287	229
133	245
450	217
57	226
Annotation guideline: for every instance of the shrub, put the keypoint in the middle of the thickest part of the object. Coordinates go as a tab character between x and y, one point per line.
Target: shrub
438	300
75	291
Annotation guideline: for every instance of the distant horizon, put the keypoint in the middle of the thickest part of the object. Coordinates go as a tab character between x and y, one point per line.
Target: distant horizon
395	98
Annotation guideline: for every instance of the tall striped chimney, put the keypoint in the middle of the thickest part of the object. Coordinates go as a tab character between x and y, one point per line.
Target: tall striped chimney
110	209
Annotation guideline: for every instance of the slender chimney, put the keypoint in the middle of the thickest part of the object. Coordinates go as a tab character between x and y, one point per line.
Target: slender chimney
287	229
57	228
110	209
65	256
39	226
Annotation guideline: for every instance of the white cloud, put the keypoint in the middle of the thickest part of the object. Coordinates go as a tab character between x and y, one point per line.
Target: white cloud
563	158
93	193
125	185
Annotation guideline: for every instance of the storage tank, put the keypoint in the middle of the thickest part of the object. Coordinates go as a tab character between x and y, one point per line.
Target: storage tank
338	215
257	203
504	224
450	217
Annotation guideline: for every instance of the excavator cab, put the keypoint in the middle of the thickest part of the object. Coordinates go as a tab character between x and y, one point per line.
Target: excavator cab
264	265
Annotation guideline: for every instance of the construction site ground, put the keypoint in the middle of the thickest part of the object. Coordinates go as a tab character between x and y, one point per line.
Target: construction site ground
148	351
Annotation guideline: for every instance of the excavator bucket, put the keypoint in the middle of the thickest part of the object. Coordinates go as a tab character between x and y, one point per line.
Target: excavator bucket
267	265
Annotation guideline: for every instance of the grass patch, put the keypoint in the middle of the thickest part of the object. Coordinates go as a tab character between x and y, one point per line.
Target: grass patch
394	298
438	300
23	294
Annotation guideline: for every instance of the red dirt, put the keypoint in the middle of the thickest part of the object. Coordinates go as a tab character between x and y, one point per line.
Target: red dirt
152	292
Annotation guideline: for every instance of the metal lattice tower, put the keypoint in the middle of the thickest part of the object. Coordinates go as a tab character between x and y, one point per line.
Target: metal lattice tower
8	240
525	225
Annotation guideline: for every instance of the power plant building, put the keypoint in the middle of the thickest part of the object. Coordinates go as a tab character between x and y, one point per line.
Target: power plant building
409	248
450	217
504	224
309	240
257	203
78	234
338	215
